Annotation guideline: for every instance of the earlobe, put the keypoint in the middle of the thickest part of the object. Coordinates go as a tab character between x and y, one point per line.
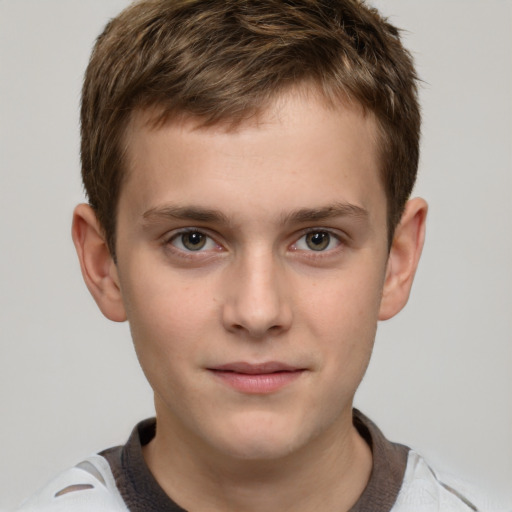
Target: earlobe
98	268
403	258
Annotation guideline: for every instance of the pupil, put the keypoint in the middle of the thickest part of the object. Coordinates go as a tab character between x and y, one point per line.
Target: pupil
318	238
318	241
194	240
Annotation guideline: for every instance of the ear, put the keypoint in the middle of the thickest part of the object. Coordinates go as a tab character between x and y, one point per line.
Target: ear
403	258
98	268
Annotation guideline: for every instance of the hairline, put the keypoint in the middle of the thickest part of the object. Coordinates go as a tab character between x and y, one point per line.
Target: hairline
155	115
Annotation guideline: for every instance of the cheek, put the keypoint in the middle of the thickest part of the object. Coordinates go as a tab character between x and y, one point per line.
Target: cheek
343	305
342	314
167	338
168	317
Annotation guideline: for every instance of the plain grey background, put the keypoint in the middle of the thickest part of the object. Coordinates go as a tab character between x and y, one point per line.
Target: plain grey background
440	380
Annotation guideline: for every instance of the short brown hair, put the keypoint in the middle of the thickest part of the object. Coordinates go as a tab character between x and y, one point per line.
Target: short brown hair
224	60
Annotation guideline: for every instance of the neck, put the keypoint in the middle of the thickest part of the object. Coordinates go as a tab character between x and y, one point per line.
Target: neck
330	473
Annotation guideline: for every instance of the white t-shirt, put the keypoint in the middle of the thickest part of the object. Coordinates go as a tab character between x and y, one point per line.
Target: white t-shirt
118	480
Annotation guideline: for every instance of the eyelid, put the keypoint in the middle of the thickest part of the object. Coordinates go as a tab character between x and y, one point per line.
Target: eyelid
334	233
341	238
170	235
176	233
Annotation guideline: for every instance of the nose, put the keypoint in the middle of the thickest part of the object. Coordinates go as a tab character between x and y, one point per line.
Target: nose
257	298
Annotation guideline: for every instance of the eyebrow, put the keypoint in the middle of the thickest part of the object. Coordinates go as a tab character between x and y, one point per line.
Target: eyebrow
327	212
185	213
302	215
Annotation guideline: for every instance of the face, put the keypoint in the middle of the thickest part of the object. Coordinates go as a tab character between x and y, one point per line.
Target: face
251	263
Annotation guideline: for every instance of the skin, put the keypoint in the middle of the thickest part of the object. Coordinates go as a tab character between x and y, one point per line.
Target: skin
259	290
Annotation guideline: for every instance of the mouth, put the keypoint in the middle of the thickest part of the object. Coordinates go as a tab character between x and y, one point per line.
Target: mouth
262	378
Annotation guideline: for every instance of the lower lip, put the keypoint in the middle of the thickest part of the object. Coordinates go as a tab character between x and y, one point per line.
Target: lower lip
261	383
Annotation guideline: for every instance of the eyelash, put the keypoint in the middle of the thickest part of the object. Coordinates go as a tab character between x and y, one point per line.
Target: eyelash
311	253
183	252
333	237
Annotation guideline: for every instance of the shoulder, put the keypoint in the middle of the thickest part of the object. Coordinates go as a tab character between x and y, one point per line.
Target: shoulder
425	490
90	485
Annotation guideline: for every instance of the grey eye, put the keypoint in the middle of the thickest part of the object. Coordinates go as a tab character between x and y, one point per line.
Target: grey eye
318	240
193	240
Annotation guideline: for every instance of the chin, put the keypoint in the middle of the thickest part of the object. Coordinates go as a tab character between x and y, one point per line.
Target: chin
258	449
260	439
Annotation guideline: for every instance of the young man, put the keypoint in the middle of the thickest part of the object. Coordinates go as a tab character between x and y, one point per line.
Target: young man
248	166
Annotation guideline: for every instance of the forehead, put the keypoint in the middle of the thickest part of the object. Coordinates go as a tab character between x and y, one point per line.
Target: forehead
298	152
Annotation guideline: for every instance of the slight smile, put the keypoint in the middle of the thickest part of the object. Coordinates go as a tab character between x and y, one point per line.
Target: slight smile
260	378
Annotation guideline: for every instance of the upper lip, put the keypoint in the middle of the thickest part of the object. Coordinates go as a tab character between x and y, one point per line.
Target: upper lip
255	369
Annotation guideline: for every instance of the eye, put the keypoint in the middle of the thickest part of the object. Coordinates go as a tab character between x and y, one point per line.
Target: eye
192	241
317	241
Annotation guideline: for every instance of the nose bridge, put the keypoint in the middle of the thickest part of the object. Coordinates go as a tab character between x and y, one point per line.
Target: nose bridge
257	300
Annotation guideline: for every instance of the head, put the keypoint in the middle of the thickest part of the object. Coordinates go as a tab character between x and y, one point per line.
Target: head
247	164
227	61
